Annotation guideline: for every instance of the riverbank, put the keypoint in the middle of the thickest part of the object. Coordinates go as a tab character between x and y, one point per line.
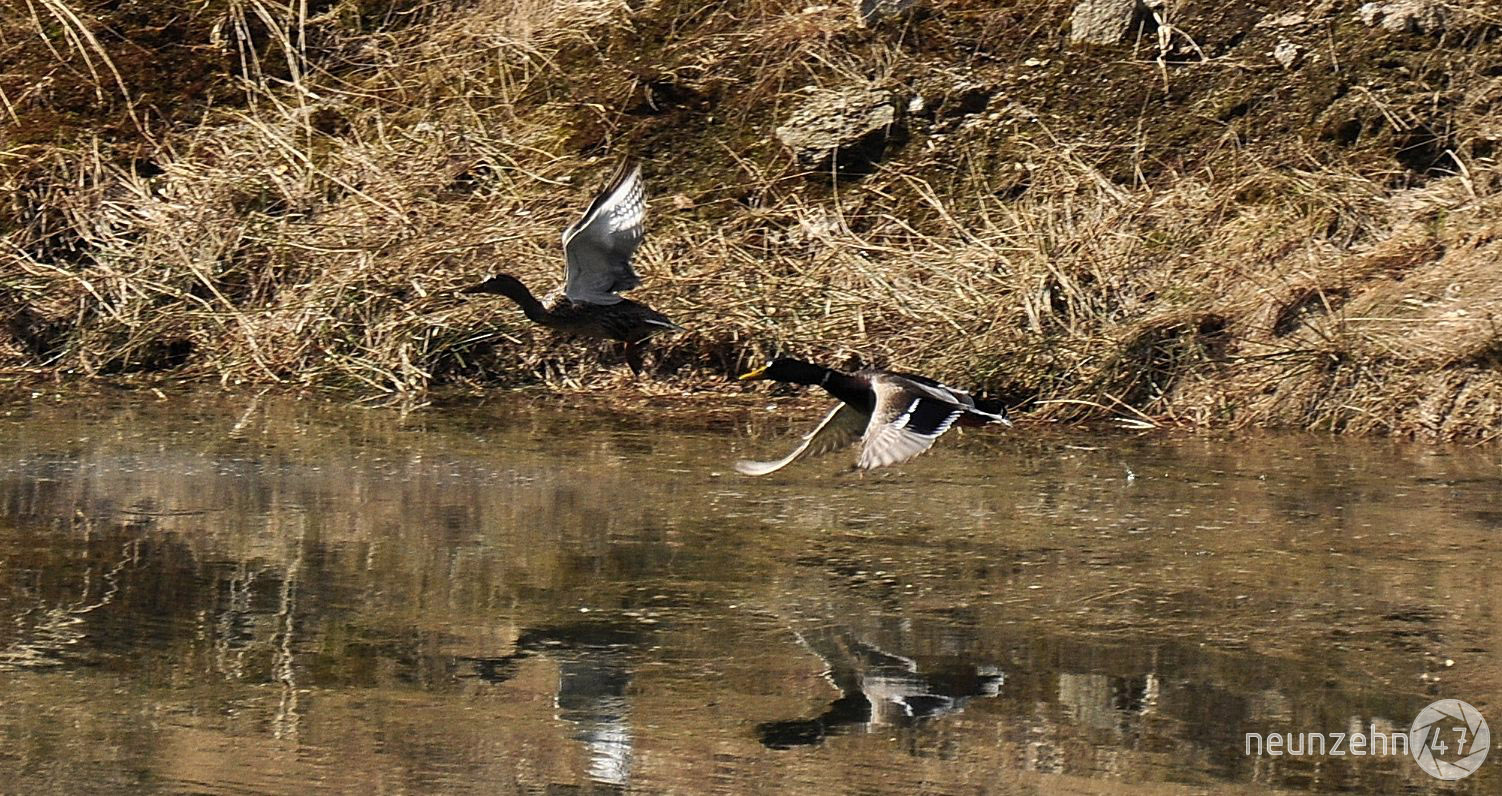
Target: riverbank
1217	216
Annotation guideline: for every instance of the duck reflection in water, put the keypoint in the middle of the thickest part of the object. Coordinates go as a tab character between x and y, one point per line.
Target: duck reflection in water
879	688
594	670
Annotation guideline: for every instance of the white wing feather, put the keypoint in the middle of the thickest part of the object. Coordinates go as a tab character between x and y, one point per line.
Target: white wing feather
599	246
843	425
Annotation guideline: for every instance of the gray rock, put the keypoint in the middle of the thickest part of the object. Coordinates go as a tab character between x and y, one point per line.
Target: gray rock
1103	21
1404	16
873	12
1287	54
1291	20
849	129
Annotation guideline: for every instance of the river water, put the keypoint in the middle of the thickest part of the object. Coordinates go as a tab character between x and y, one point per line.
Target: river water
220	595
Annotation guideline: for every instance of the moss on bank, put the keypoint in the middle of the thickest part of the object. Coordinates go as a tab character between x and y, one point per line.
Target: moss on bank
1178	227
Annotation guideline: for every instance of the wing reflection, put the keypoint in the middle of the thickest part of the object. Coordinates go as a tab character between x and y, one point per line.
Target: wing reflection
879	688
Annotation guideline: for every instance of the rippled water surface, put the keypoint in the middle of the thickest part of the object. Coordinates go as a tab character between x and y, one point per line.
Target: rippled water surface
278	597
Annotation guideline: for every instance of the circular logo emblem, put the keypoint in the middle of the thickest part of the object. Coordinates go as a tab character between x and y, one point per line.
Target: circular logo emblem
1449	739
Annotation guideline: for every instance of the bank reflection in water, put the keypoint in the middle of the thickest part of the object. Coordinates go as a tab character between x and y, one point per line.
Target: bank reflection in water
594	670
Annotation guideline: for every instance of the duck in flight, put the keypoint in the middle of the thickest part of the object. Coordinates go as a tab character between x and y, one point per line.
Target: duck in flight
896	416
597	251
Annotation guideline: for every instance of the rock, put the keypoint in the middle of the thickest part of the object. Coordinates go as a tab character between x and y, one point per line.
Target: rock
1103	21
874	12
849	129
1291	20
1404	16
1287	54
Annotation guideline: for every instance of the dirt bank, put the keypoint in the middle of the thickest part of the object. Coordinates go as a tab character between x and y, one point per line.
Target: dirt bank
1200	213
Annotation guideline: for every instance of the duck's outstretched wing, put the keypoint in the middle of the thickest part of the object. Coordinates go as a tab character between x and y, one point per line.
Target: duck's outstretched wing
843	425
598	247
909	416
980	411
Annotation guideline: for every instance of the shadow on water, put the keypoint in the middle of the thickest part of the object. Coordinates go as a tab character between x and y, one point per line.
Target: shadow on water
277	597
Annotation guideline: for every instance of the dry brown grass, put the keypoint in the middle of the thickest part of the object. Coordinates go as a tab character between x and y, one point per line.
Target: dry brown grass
313	235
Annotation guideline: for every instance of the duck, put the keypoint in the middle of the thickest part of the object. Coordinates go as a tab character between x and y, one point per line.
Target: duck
597	252
896	416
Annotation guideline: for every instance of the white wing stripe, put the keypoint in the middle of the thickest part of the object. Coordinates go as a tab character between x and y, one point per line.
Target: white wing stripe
628	209
943	427
901	420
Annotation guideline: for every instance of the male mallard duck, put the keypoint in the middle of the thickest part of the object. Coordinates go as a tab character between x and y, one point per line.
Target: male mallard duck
597	249
895	415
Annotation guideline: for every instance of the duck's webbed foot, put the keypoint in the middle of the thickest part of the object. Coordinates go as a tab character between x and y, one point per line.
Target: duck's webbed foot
633	354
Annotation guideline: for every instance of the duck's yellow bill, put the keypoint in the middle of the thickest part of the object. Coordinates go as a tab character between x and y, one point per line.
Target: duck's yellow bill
755	374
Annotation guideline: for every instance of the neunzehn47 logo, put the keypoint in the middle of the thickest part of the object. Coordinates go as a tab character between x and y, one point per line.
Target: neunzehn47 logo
1449	739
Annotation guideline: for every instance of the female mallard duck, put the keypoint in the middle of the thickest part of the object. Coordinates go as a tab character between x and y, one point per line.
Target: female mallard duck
896	416
597	249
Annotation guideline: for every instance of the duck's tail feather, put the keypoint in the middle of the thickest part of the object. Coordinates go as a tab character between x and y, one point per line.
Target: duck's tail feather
989	412
665	324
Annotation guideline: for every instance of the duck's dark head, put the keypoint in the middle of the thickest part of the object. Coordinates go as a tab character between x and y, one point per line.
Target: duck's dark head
791	371
504	284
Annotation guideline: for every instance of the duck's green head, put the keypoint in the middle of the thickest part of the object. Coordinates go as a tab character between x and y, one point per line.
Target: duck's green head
786	369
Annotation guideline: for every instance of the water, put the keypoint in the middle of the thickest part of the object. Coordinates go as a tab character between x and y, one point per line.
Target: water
240	596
